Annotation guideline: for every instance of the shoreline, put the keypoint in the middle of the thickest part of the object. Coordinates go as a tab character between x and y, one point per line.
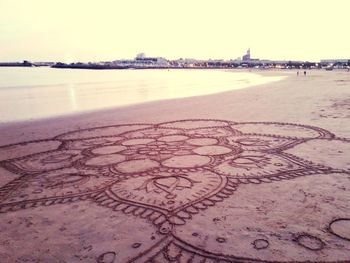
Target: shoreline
263	92
124	109
75	97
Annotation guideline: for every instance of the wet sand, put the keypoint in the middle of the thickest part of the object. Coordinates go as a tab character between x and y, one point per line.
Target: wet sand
260	174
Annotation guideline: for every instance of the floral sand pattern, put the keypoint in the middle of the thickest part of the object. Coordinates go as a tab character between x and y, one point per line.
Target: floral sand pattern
170	173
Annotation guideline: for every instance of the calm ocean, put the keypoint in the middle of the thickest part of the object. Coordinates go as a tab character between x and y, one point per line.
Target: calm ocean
33	93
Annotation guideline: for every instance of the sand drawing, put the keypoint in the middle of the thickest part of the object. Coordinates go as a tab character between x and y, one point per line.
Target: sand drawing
168	173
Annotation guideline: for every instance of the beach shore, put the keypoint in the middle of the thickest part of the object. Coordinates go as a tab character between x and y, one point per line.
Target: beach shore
320	98
259	174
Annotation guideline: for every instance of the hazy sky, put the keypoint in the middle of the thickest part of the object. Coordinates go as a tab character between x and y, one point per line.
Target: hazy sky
88	30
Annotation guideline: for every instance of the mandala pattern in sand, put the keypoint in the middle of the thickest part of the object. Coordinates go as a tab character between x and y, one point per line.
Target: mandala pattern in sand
166	173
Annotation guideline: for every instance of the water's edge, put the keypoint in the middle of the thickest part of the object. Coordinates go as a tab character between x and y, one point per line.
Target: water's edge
65	93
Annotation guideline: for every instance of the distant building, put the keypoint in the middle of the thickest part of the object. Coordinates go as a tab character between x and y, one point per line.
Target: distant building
246	57
141	55
151	60
330	64
333	61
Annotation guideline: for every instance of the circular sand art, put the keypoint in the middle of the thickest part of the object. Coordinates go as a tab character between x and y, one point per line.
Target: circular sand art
172	174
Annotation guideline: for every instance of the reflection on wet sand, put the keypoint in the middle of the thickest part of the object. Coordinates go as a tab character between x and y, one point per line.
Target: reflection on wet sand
59	92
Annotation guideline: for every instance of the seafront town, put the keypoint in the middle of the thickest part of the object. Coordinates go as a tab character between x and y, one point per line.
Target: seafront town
141	61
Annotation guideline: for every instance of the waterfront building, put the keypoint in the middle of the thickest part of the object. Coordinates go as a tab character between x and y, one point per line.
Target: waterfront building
246	57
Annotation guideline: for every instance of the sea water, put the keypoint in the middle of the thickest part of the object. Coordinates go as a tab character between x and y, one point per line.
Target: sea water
34	93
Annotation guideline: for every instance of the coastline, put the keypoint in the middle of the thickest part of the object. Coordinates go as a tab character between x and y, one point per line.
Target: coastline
300	99
65	92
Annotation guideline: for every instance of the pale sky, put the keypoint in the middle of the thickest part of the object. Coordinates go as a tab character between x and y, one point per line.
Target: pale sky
97	30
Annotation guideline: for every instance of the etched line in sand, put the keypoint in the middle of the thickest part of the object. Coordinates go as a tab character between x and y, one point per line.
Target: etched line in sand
341	228
167	174
310	242
260	244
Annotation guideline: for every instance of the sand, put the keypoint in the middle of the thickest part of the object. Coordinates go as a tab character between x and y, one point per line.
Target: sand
260	174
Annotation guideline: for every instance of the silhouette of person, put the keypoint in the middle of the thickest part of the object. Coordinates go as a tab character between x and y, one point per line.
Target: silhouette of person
298	73
305	73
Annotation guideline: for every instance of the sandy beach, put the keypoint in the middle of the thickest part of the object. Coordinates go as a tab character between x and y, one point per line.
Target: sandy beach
260	174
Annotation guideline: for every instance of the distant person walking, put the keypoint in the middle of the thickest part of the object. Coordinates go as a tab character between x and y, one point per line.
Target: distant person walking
298	73
305	73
